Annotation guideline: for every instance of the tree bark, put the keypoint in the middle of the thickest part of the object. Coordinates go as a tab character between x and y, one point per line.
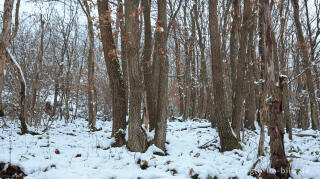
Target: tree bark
227	139
114	73
137	141
239	87
161	66
274	101
5	37
306	63
124	62
147	51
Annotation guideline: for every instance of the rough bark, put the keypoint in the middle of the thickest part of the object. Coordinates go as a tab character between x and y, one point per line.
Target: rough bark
239	87
5	37
137	141
274	101
227	139
161	75
114	73
251	105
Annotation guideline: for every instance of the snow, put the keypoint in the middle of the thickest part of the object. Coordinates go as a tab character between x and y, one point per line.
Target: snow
36	154
19	68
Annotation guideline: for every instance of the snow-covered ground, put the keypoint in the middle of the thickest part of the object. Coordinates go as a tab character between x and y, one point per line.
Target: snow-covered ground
71	151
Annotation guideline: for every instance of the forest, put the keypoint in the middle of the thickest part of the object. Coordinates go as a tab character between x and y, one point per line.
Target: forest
210	89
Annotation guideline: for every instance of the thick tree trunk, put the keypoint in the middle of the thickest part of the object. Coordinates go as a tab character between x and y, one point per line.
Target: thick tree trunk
137	141
227	139
4	43
239	87
278	157
114	73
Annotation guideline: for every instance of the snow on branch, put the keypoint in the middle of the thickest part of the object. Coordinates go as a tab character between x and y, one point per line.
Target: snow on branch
17	66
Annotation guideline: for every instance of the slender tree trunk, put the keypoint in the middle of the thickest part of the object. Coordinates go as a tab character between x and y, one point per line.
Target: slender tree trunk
124	63
147	51
234	46
114	73
91	88
37	74
306	63
286	97
193	93
178	70
187	71
203	68
251	105
22	81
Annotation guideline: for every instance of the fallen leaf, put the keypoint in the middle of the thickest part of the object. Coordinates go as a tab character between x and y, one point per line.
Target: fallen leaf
57	151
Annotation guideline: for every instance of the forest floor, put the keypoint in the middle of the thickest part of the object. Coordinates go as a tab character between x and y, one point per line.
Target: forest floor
72	151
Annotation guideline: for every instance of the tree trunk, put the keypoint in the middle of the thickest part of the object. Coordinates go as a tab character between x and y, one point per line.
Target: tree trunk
286	97
178	70
275	96
187	71
137	141
227	139
37	74
5	42
22	81
306	63
160	75
203	68
124	63
91	118
147	51
239	90
114	73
